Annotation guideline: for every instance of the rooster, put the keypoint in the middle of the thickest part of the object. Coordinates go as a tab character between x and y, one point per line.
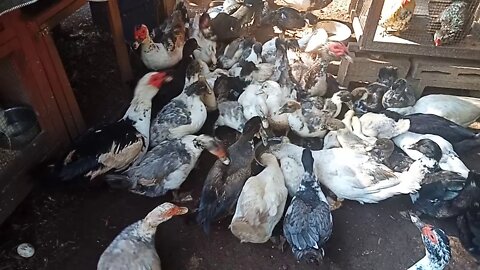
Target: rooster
396	15
452	20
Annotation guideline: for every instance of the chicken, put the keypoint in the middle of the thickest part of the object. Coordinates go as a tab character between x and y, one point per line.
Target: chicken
134	247
261	203
396	15
453	20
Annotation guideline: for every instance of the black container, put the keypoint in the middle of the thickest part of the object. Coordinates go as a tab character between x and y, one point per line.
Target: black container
18	127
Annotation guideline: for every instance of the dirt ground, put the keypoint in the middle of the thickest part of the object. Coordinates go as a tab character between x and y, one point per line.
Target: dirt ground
71	226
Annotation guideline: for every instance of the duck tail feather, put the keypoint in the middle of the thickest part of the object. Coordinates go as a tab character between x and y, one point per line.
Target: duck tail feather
78	168
118	181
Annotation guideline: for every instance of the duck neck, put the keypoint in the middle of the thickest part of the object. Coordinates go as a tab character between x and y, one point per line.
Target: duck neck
339	108
139	112
426	263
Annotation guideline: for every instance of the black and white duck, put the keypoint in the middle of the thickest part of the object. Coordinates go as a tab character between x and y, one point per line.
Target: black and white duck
308	222
449	161
444	193
233	52
182	116
287	18
176	86
134	247
437	246
433	124
230	112
400	94
201	31
166	166
117	145
224	182
306	118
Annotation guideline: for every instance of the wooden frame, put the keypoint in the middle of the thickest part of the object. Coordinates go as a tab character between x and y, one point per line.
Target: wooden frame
366	35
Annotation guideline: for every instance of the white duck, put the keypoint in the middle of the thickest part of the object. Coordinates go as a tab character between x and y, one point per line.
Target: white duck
461	110
183	115
354	176
306	119
449	161
134	247
253	101
380	126
261	203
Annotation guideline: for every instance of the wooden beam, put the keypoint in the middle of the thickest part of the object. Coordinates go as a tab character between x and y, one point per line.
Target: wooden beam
119	40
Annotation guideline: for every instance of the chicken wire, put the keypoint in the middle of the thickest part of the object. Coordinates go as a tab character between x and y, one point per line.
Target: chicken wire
424	22
6	156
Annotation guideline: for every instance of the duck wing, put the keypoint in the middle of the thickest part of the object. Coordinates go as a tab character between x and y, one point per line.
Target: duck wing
112	146
174	114
307	227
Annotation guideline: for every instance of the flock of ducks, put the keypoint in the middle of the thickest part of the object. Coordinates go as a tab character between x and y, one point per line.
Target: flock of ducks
378	141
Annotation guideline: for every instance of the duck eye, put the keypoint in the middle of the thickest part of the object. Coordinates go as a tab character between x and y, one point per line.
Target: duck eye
231	28
432	237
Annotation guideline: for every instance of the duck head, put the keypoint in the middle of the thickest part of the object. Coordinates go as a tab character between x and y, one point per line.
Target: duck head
247	68
213	146
141	35
387	75
225	28
428	148
343	96
436	243
199	88
189	47
338	50
160	214
252	127
148	86
334	124
383	149
443	37
290	107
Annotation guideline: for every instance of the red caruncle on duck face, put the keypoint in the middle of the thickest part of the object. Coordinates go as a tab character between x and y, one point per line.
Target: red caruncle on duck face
156	80
141	32
338	49
428	232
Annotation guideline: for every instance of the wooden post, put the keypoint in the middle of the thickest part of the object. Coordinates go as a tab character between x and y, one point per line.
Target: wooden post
119	40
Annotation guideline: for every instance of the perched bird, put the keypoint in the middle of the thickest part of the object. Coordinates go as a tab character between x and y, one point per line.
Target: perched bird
166	53
224	183
437	246
134	247
182	116
261	203
458	109
399	95
117	145
453	21
166	166
308	222
396	15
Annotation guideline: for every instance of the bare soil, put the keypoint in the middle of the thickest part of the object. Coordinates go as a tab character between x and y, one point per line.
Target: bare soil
71	226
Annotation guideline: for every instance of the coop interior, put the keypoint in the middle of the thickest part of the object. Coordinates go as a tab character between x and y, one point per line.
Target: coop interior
70	225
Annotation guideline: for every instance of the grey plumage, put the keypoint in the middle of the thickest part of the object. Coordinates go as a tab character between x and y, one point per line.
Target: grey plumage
308	222
174	114
137	252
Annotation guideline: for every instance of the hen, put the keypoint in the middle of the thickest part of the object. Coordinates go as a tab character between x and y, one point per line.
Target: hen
452	20
396	15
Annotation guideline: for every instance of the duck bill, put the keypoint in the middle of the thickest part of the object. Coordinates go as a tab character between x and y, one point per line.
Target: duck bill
178	211
416	220
135	45
262	133
348	58
283	109
221	154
